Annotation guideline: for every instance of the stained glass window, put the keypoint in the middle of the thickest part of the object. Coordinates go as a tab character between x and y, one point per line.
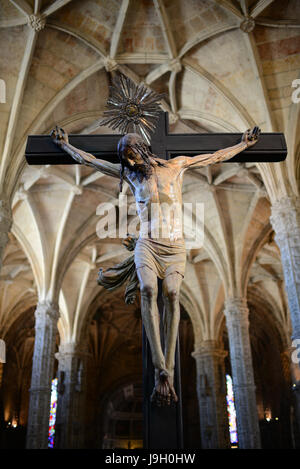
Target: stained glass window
52	418
231	411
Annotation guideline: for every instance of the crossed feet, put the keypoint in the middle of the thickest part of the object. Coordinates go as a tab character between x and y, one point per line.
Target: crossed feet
163	393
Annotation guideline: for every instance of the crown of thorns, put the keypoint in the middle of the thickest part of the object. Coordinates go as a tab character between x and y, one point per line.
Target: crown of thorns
132	108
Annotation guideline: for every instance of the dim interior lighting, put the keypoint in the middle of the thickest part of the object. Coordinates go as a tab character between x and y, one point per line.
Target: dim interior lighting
276	418
268	415
14	423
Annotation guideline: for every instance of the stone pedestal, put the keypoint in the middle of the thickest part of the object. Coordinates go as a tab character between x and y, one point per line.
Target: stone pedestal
211	390
46	316
69	427
236	313
5	225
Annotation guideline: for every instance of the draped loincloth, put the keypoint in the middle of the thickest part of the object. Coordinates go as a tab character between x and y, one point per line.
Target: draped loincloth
162	256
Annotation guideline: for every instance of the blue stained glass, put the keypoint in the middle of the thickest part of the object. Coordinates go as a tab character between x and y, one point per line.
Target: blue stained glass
52	418
231	411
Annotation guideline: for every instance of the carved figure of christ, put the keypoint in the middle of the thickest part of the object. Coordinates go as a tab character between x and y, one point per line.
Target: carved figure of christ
156	181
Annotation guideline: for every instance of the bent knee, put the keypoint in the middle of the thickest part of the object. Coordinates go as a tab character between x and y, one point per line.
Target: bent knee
172	294
149	290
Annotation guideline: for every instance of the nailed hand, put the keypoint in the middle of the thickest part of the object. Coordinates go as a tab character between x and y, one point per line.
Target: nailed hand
59	136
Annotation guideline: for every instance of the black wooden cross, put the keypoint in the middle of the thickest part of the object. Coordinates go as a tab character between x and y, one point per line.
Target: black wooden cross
162	426
271	147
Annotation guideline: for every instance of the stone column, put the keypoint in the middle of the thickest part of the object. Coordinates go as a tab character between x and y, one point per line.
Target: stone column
69	426
236	313
211	390
1	373
5	225
285	220
46	317
2	423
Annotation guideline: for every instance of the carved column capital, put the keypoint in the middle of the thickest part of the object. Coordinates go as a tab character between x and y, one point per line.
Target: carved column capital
71	349
47	309
285	218
236	304
209	347
236	310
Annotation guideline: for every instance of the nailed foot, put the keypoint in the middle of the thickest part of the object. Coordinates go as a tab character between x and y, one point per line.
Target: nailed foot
163	393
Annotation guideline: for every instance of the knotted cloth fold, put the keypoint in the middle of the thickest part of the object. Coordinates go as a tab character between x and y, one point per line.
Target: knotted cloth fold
161	256
116	276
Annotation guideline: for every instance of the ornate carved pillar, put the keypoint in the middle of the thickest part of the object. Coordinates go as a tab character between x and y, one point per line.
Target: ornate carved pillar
5	225
285	220
69	426
46	316
211	390
236	313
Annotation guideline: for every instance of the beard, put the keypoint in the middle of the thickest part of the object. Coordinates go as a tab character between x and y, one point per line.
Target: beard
142	170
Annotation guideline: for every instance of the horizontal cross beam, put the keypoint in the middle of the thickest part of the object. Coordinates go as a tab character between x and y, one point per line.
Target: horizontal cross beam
271	147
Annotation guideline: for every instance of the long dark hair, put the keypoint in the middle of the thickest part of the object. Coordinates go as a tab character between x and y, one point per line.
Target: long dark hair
136	143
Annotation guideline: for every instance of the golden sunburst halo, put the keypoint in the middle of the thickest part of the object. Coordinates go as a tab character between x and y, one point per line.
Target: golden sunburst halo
132	108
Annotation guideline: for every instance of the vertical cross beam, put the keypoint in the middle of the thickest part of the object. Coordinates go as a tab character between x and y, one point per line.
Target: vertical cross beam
163	427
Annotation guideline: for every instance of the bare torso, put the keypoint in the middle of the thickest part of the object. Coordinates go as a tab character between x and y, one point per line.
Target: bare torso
159	196
159	200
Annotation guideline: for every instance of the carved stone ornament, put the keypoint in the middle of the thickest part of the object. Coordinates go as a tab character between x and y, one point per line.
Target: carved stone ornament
36	22
247	25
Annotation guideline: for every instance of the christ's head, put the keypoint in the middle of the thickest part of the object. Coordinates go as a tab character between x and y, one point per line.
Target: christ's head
135	155
133	151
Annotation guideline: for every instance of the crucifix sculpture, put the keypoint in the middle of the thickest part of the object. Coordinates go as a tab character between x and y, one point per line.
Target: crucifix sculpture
153	179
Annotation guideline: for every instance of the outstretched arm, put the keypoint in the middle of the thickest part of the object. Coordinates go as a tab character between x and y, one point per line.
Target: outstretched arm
60	138
249	138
